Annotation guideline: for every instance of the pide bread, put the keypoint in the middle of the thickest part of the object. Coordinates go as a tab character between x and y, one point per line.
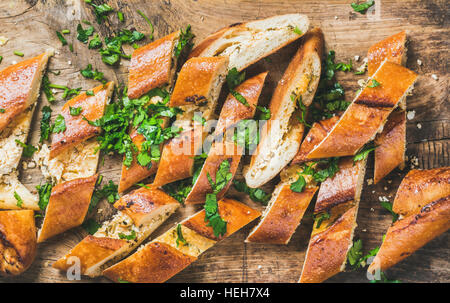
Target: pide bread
335	215
162	258
246	43
139	213
366	115
391	142
67	207
10	184
281	135
17	241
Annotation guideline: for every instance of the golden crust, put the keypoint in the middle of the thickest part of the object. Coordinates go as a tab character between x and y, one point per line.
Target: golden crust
234	111
367	114
77	129
142	202
420	187
391	48
151	66
199	48
327	251
67	207
406	236
236	214
17	241
196	80
316	134
391	145
220	151
90	251
18	85
342	187
154	263
283	218
177	157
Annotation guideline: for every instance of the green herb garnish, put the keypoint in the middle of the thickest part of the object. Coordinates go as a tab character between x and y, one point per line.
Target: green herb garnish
362	7
95	42
364	152
44	192
28	149
180	238
59	125
61	38
374	83
18	199
17	53
84	34
184	41
256	194
89	73
75	111
152	30
45	123
91	226
129	237
101	11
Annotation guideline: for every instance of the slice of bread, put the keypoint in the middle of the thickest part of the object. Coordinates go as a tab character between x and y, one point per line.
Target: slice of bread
9	185
281	135
18	245
246	43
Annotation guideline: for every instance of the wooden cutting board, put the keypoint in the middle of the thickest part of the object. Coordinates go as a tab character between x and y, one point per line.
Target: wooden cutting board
30	27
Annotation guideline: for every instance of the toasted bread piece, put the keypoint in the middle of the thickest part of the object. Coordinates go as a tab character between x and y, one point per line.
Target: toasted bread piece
281	135
234	111
177	157
152	65
421	187
161	259
392	48
220	151
317	133
327	251
140	213
10	184
366	116
67	207
77	129
391	145
246	43
17	241
19	86
407	235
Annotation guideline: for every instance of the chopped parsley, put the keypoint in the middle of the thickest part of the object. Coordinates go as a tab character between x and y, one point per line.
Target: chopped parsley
67	91
384	279
18	199
234	78
91	226
374	83
120	16
95	42
108	192
75	111
319	175
61	38
246	134
2	110
297	31
302	107
362	7
129	237
345	67
180	238
101	11
17	53
44	192
364	152
298	185
179	189
320	217
152	30
47	90
256	194
388	206
112	52
355	255
84	34
90	93
265	112
89	73
185	39
45	127
1	59
28	149
59	125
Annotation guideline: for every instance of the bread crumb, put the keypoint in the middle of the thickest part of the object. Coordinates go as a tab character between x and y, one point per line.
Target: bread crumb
14	62
369	181
364	230
335	17
414	161
411	114
389	181
371	209
373	191
419	62
383	199
362	82
385	188
259	266
308	139
24	165
435	77
356	58
31	164
3	40
69	62
419	126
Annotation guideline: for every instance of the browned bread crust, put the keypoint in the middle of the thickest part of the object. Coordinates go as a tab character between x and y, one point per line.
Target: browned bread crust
420	187
391	145
220	151
283	218
17	241
391	48
327	251
234	111
151	66
90	251
316	134
406	236
78	129
154	263
196	80
177	157
67	207
141	204
367	114
19	87
236	214
199	48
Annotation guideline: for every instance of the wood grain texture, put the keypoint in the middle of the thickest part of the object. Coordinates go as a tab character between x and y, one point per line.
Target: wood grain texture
30	27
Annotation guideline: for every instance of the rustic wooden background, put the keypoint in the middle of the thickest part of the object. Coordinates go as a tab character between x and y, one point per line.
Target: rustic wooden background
30	26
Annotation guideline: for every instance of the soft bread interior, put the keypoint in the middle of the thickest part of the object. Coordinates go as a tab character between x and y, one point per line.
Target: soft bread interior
247	43
9	184
37	79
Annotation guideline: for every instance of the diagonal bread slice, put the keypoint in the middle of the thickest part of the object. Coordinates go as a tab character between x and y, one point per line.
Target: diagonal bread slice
391	142
365	117
139	212
19	87
162	258
246	43
281	135
285	209
10	186
421	187
332	235
17	241
409	234
67	206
